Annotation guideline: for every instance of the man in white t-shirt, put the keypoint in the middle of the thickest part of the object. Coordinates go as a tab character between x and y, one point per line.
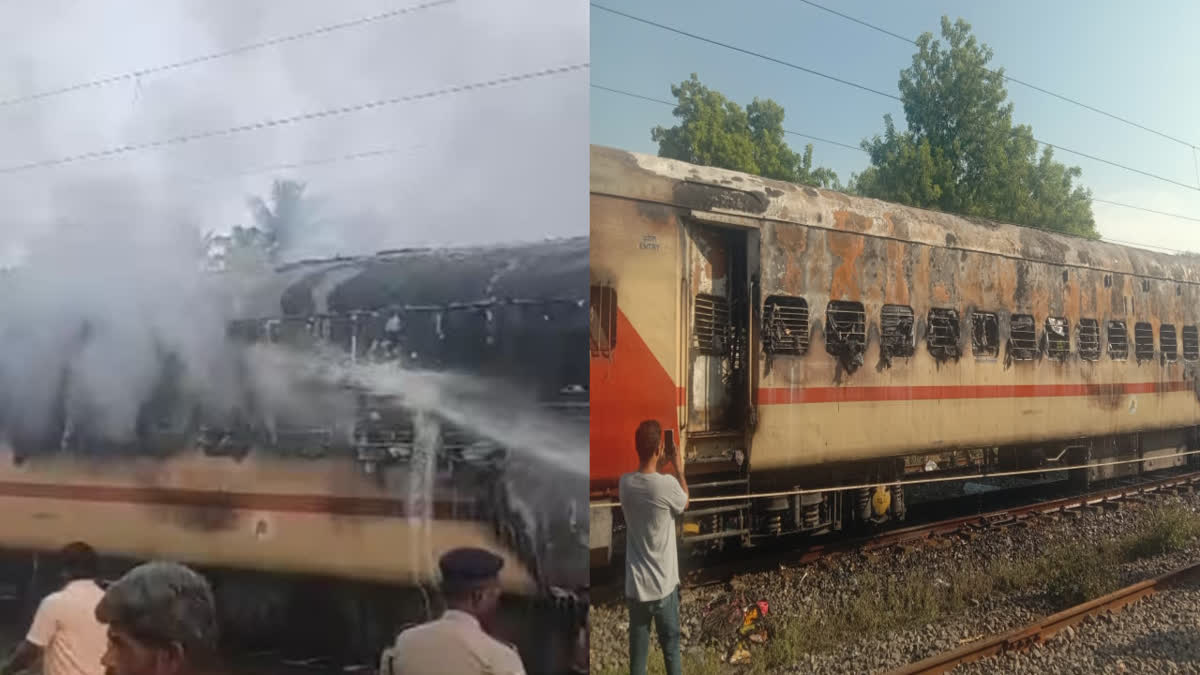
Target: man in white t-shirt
65	632
651	501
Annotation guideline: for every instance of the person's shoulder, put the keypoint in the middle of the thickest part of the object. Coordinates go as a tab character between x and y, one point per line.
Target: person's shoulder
665	480
504	651
415	633
52	599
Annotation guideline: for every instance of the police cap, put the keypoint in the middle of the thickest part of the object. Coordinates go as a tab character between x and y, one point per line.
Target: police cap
465	568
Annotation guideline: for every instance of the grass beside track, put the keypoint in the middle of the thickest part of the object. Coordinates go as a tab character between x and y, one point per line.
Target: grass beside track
1065	575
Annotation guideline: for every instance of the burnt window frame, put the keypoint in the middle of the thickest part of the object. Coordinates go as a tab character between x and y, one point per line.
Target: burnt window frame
994	351
1143	341
602	340
1195	343
719	334
791	303
1117	352
899	312
1093	325
1055	349
944	349
855	310
1025	347
1173	355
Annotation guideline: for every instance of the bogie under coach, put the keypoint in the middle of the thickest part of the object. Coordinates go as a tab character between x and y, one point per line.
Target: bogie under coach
792	338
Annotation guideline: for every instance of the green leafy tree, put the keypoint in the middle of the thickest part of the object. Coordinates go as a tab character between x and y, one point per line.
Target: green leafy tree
278	222
962	153
714	131
284	218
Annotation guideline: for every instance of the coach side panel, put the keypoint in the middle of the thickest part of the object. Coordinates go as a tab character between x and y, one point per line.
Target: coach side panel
813	410
635	284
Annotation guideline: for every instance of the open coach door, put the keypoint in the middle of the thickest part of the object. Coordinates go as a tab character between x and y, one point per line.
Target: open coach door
719	281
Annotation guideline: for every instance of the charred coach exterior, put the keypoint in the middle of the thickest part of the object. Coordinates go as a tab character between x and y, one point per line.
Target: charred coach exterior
341	497
796	338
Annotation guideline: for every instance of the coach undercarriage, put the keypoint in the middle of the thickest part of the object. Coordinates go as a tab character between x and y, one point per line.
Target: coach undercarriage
733	510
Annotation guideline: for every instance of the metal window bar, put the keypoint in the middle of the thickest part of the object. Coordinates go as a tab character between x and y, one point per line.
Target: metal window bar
845	322
785	325
1191	344
1023	337
1089	339
985	334
603	320
1143	341
1118	341
1058	337
711	324
1168	342
942	337
896	330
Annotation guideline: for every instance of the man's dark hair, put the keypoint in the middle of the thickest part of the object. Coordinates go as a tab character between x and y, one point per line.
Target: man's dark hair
648	437
160	603
79	561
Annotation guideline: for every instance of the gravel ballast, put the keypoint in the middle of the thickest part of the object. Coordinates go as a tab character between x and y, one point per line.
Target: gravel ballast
1158	634
799	592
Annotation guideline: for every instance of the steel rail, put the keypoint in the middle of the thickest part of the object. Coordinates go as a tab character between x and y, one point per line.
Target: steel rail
1021	639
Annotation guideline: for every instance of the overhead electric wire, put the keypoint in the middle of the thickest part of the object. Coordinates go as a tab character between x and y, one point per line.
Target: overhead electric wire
748	52
299	164
155	70
293	119
1142	208
668	103
868	89
1010	78
846	145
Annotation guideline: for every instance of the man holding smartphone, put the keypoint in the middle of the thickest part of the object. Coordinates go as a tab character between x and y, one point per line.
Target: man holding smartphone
651	501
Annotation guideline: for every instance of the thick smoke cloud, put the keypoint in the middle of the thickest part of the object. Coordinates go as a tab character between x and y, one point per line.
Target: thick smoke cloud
498	165
104	253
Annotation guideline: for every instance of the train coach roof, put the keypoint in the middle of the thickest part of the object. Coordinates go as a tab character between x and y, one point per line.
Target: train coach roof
550	270
702	188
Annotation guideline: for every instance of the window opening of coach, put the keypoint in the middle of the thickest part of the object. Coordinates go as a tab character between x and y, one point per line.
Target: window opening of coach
603	320
1058	337
785	326
897	337
1191	344
1022	337
985	334
1089	339
943	333
846	333
1143	341
1167	342
711	327
1118	341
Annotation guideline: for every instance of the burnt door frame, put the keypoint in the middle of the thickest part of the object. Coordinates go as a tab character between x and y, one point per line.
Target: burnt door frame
718	310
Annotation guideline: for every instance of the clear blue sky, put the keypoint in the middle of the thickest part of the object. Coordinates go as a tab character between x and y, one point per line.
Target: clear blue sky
1137	60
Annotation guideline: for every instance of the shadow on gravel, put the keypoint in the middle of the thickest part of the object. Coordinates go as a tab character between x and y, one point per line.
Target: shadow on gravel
1177	644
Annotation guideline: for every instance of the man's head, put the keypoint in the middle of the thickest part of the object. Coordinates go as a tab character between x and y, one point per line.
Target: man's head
471	581
161	621
649	441
79	561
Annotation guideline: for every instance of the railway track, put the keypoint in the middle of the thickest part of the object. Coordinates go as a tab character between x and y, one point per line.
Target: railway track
1025	637
977	523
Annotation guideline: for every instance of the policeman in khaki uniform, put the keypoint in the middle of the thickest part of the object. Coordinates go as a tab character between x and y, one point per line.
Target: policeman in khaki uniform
456	643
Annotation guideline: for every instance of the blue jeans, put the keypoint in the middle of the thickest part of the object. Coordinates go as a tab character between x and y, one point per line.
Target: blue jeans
665	614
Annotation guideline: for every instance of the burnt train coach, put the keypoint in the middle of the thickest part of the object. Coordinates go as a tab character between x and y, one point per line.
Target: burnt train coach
793	338
350	508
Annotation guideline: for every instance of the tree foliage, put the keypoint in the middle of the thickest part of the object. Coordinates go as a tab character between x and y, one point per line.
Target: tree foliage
962	153
714	131
278	222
